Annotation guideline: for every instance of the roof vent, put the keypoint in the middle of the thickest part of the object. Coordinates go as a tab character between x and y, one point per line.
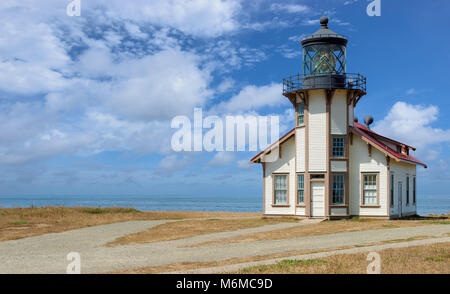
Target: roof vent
368	120
355	119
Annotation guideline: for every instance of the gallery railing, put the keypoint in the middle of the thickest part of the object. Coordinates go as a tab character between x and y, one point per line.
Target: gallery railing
324	81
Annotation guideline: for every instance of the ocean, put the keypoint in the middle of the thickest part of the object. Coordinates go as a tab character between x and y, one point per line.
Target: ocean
432	204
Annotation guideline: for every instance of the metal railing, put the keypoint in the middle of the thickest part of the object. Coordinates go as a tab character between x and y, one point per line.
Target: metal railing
324	81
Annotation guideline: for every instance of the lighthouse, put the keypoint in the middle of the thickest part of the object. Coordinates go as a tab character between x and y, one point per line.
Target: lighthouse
330	166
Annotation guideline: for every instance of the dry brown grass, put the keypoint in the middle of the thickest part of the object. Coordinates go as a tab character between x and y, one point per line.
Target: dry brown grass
429	259
185	266
331	227
17	223
190	228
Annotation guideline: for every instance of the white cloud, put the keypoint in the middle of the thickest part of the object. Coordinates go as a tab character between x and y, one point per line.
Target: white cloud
135	31
289	53
350	2
171	164
411	124
244	164
289	8
225	85
112	79
222	159
411	91
161	86
253	98
297	38
208	18
23	39
25	78
224	56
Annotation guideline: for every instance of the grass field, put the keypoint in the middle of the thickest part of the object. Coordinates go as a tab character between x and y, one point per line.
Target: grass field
429	259
17	223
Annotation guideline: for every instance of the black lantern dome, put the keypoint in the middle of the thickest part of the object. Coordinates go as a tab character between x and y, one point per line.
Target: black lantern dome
324	51
324	64
324	58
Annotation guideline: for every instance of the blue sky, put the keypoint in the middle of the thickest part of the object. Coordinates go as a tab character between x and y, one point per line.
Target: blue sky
86	102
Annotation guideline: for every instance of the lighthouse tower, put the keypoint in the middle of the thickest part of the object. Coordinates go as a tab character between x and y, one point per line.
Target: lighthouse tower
324	97
329	165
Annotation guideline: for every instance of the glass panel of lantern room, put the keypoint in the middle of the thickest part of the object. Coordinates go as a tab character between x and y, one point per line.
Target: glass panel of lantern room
324	59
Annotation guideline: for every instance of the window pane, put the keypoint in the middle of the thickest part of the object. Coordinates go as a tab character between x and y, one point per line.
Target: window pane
301	189
407	190
370	190
338	147
338	189
280	187
301	114
392	190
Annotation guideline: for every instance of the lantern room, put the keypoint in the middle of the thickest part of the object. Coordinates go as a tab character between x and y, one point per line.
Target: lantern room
324	52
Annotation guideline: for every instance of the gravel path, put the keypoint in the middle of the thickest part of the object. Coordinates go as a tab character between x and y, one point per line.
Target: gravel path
47	253
375	248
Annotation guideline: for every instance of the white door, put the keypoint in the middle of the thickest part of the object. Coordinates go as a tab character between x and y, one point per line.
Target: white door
400	196
317	199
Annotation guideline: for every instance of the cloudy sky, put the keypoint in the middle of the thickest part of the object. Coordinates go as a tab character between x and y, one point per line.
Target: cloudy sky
86	102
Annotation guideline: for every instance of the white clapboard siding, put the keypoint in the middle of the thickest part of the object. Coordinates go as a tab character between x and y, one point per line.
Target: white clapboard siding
400	172
317	132
351	114
339	114
285	164
361	162
300	137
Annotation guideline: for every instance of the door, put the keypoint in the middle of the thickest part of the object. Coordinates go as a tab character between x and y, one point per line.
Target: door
400	196
317	199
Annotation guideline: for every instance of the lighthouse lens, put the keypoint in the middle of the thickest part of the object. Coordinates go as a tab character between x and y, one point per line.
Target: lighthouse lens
324	59
324	62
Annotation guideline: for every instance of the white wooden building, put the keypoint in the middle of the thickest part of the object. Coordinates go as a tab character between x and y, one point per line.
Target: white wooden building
329	165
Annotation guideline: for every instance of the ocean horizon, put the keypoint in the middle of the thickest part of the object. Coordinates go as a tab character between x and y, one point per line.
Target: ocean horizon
432	204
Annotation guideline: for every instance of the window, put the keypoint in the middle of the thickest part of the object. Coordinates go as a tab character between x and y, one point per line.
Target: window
317	177
338	147
280	189
407	190
338	188
300	189
414	190
370	189
300	115
391	184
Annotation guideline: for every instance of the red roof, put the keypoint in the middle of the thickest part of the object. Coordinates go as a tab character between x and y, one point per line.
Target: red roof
370	135
375	139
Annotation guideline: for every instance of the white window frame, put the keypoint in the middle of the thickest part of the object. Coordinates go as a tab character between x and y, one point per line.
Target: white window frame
342	176
275	190
300	188
375	187
300	115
